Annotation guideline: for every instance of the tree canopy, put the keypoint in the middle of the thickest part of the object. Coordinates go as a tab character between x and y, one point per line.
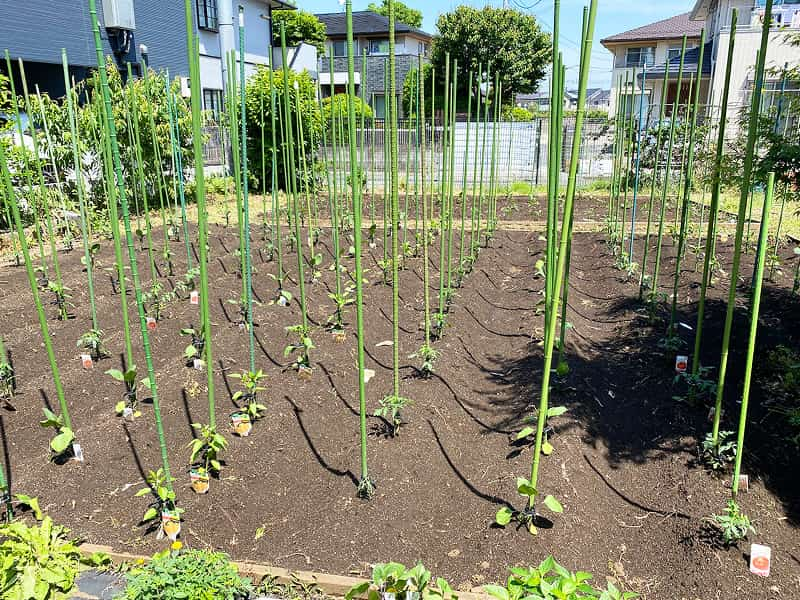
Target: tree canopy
300	26
507	41
404	14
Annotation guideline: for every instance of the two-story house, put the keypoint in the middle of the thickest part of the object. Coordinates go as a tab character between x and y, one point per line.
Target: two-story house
370	34
36	31
646	49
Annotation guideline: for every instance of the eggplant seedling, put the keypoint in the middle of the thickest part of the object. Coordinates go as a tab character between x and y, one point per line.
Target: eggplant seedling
164	496
718	454
93	250
206	448
733	525
302	362
336	320
194	351
129	405
64	435
390	409
526	517
249	393
92	342
526	433
429	355
61	299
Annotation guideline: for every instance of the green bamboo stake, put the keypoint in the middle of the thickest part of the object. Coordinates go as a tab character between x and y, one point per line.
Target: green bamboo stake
752	132
177	152
440	315
563	243
751	343
461	269
111	140
687	189
276	221
716	189
339	321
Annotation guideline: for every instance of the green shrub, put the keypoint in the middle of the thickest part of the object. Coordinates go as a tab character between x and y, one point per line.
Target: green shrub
338	105
187	575
39	562
516	113
257	93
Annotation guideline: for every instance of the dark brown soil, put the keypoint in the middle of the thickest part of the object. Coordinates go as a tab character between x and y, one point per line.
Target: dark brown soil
625	461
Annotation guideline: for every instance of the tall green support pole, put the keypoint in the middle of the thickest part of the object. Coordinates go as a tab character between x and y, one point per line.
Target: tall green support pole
464	182
276	217
366	488
563	243
111	137
248	272
687	186
716	190
751	343
640	124
747	173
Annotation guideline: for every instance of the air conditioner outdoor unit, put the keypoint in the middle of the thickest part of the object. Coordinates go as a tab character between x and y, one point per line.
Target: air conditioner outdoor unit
119	14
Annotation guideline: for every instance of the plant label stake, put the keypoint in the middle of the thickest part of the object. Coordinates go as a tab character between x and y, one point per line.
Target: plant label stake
151	323
197	364
77	452
744	482
194	297
200	480
681	363
241	424
170	525
127	413
282	301
760	559
86	361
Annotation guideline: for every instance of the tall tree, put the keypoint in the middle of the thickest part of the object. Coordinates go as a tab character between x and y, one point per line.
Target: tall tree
404	14
502	40
300	26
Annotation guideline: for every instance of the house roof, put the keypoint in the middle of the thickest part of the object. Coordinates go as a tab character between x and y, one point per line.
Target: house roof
689	64
673	28
365	22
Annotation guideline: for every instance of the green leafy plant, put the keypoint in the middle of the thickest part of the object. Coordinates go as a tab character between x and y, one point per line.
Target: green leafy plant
301	348
390	409
206	447
527	433
163	495
64	435
733	524
61	299
93	250
551	581
428	354
92	342
130	399
717	456
194	351
342	301
249	393
699	385
187	575
40	562
527	516
8	382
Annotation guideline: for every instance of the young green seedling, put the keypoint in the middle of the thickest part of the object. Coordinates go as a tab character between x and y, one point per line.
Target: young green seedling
129	405
164	496
61	299
428	354
390	409
733	525
206	448
527	516
249	393
194	351
718	453
302	362
64	435
92	342
8	383
336	320
528	432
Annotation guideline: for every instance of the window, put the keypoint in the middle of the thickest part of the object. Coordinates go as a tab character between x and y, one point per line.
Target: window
674	52
339	48
212	103
379	46
379	105
638	57
207	15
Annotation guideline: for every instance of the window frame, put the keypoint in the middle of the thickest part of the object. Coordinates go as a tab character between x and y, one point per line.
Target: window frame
343	44
215	110
647	56
379	41
207	15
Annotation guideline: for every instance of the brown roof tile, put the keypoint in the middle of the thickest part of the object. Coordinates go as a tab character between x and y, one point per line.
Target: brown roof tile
674	27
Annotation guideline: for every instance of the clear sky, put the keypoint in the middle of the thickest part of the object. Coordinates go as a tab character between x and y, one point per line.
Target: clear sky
613	16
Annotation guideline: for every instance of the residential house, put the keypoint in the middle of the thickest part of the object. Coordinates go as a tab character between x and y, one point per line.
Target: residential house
639	58
370	36
35	31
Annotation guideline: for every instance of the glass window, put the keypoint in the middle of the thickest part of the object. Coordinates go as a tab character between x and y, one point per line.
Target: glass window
638	57
379	106
212	103
207	14
379	46
339	48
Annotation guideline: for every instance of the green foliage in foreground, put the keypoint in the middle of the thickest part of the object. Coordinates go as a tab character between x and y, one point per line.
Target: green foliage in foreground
39	562
187	575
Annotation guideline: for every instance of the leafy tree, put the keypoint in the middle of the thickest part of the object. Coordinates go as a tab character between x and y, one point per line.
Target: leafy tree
301	26
505	40
339	104
404	14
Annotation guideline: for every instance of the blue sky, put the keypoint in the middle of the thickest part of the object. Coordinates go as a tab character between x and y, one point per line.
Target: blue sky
613	16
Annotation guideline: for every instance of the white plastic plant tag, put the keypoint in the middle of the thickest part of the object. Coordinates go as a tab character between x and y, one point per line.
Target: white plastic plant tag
387	596
681	363
368	374
86	361
127	412
151	323
744	483
282	301
711	412
194	297
685	325
760	559
197	364
77	452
